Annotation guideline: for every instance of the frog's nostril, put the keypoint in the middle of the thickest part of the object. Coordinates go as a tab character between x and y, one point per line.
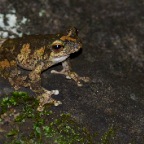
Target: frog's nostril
80	44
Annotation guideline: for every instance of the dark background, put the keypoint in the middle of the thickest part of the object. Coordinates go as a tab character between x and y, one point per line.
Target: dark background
112	33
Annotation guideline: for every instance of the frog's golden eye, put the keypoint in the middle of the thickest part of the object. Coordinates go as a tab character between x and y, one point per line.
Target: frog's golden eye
57	46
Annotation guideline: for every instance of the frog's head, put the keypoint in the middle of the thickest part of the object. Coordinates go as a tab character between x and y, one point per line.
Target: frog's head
65	45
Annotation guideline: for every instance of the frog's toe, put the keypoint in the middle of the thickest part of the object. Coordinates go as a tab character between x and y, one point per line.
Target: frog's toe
40	108
56	72
55	92
85	79
57	103
53	71
16	87
79	84
68	77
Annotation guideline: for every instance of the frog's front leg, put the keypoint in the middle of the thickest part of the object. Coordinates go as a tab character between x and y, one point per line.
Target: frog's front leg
70	74
44	96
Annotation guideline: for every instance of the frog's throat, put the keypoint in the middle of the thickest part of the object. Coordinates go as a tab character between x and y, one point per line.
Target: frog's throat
59	59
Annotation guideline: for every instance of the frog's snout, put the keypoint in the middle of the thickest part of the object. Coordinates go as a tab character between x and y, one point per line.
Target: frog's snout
79	43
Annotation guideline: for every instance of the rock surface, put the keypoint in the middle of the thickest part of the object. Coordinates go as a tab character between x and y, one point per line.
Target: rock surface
113	57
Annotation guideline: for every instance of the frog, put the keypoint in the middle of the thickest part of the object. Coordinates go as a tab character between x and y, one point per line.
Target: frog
37	53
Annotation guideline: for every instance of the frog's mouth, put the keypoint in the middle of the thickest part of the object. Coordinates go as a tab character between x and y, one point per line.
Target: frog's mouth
59	59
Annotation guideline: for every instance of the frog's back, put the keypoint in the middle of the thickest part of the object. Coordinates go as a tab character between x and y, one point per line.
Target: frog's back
35	41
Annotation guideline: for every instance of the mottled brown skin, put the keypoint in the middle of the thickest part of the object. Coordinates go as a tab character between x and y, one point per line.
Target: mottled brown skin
37	53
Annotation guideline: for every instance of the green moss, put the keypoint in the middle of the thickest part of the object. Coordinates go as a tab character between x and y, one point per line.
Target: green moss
109	136
35	127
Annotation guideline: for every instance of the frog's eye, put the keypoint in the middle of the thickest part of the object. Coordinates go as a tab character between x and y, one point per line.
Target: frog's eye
57	46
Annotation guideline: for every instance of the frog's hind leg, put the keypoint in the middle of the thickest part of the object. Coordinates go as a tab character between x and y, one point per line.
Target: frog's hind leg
16	79
9	70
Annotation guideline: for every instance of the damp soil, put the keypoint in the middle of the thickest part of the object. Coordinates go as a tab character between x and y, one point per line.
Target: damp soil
112	56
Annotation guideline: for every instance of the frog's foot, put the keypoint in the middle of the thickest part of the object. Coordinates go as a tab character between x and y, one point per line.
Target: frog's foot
19	81
72	75
46	98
